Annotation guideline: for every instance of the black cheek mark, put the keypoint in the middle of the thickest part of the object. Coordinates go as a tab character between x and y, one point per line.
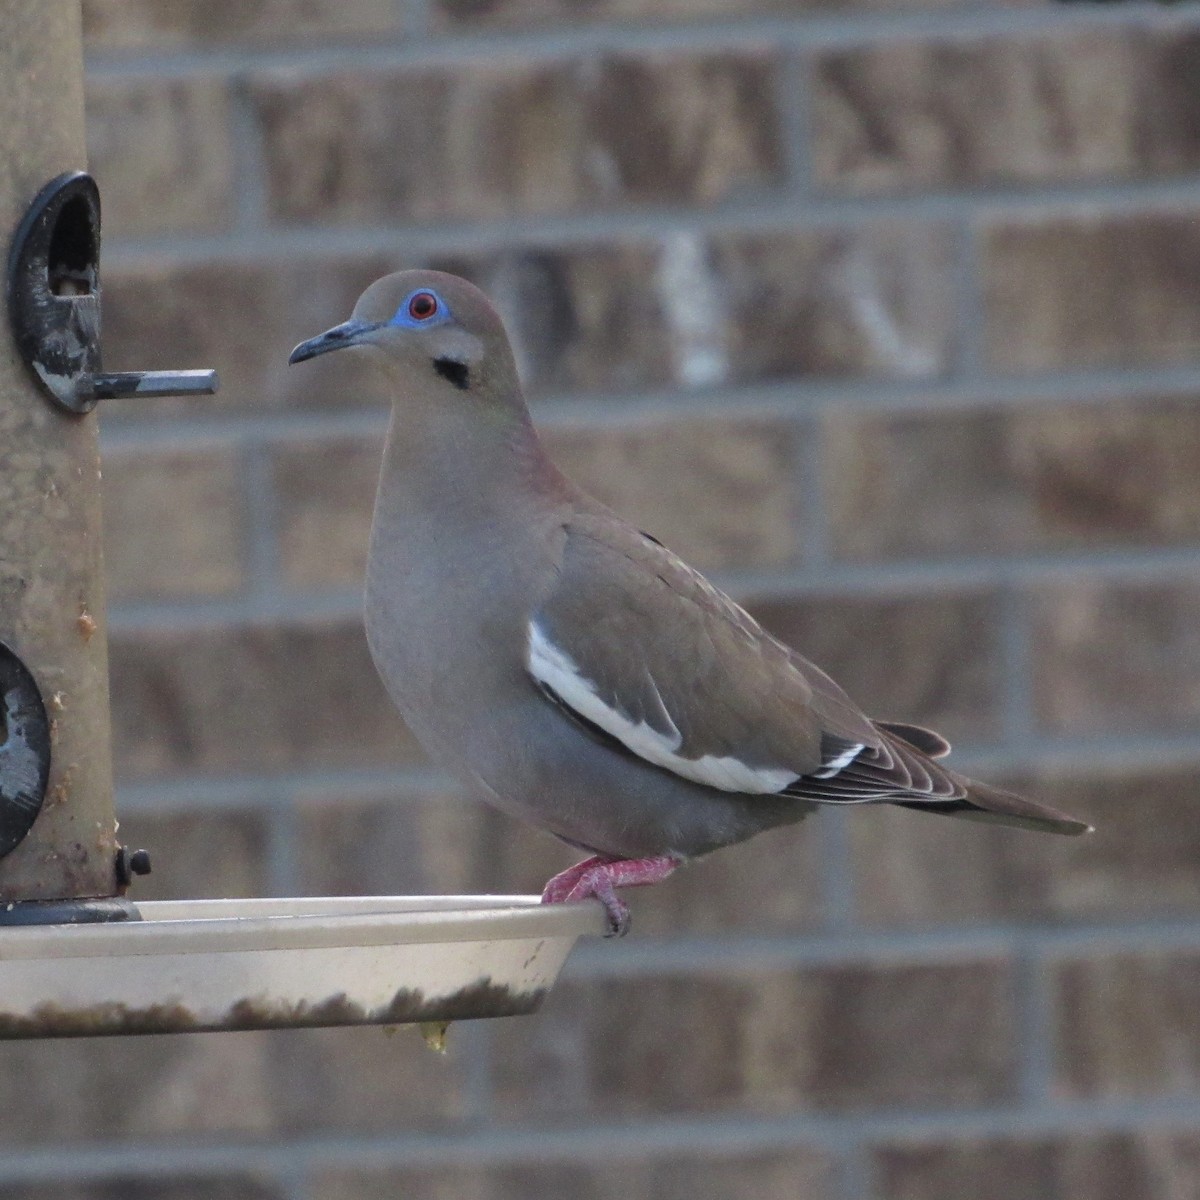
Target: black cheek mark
458	373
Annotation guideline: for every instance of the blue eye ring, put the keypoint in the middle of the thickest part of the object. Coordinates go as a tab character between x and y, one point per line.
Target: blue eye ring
421	308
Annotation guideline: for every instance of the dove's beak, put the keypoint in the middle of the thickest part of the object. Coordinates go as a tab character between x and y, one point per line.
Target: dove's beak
348	333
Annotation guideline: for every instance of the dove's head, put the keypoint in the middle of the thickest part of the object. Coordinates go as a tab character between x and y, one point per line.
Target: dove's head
433	333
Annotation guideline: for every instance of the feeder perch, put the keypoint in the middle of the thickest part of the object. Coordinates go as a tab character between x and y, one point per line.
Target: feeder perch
77	957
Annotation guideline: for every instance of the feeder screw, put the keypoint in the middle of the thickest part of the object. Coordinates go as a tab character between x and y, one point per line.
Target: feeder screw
131	863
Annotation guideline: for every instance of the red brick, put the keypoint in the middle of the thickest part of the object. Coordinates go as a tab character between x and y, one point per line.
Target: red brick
752	306
836	302
162	24
252	698
696	130
199	855
472	14
161	151
914	484
1140	862
1116	1166
720	492
222	1085
1126	1023
400	845
63	1091
371	1080
935	660
766	1175
161	1187
1092	290
326	494
1081	104
1017	480
838	1038
770	884
434	145
1117	657
173	523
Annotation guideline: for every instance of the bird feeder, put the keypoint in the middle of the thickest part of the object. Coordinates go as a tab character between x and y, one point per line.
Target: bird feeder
78	955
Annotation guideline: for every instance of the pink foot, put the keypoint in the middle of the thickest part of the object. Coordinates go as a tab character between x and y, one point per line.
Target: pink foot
559	888
600	877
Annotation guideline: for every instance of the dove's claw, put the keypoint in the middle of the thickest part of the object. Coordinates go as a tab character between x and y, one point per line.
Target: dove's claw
599	877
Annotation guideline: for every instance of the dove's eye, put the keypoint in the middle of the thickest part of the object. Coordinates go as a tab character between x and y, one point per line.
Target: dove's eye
422	306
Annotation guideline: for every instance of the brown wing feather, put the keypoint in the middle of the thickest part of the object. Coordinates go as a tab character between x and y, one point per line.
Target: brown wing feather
894	770
928	741
662	645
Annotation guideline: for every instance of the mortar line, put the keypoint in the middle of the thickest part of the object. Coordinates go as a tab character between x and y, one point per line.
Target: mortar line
809	489
837	883
1072	757
855	1179
707	955
632	1141
769	211
283	847
249	183
794	90
967	284
968	572
261	531
264	606
647	408
414	20
296	1180
478	1090
882	580
1081	756
1015	637
199	432
567	41
1034	1027
263	791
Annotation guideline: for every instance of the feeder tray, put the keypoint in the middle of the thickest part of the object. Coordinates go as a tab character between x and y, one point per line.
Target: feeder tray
195	965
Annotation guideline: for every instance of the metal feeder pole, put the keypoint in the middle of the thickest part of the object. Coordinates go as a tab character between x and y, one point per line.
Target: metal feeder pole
88	962
52	613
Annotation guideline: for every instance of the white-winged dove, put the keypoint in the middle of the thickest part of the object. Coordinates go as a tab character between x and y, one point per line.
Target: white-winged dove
570	669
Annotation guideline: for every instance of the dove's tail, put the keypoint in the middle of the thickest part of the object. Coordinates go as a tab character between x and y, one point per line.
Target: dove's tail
905	770
986	803
982	802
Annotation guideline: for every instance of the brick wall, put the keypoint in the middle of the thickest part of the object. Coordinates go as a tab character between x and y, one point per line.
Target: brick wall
886	317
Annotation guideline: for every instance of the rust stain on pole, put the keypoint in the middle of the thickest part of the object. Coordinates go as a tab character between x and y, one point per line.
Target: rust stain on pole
52	610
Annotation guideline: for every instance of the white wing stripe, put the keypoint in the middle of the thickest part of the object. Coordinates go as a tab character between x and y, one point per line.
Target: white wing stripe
556	669
834	765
